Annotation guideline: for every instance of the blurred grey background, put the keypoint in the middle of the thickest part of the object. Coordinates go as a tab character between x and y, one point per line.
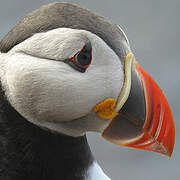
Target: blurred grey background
153	29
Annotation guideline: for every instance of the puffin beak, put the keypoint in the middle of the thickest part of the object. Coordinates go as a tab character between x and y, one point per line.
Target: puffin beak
141	116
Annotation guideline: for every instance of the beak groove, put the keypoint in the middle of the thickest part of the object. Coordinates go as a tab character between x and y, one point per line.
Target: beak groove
159	123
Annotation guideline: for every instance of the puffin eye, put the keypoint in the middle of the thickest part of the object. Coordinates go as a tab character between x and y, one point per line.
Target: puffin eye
81	60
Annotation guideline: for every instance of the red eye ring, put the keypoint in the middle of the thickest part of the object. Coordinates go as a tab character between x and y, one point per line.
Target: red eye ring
82	59
75	60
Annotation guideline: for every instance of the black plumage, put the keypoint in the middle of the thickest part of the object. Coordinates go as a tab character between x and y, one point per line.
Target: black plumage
28	152
58	15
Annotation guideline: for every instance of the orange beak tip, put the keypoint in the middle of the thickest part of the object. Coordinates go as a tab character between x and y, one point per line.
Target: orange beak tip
157	133
159	125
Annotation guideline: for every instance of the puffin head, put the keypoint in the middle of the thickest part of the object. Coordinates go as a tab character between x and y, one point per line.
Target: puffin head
69	70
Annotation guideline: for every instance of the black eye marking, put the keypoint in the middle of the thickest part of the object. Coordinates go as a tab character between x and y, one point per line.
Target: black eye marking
81	60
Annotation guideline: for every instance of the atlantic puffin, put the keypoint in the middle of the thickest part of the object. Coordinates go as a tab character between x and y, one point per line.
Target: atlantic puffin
65	71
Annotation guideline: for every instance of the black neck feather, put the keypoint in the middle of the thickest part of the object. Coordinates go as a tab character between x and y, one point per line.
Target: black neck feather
28	152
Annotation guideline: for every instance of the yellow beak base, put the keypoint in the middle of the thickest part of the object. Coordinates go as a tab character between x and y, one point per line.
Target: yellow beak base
105	109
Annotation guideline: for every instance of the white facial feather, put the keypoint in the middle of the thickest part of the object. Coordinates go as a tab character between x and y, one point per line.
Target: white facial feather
52	94
58	44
